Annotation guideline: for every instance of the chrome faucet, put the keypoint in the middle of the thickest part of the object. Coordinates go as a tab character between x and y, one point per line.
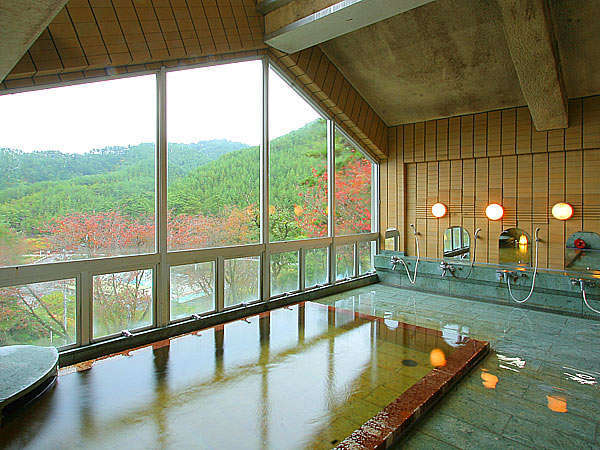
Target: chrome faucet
447	267
582	282
395	260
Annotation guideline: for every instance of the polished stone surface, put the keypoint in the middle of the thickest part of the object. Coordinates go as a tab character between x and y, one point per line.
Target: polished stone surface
22	368
539	388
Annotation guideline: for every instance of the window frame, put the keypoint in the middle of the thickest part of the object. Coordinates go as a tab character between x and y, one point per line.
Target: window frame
161	261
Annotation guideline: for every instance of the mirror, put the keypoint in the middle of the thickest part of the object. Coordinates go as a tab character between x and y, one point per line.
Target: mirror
515	247
583	251
391	239
457	243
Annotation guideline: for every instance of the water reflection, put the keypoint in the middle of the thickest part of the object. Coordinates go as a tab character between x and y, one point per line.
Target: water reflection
292	377
489	379
557	403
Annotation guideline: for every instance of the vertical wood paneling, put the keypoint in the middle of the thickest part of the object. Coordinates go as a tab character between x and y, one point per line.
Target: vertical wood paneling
493	133
573	134
523	131
420	141
432	197
471	161
442	139
466	137
444	197
556	193
421	221
409	142
481	201
411	207
509	191
508	137
495	196
540	202
480	135
468	196
392	181
454	138
591	122
430	141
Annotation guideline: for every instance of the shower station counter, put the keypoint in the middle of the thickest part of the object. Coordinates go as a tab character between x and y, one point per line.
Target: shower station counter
26	371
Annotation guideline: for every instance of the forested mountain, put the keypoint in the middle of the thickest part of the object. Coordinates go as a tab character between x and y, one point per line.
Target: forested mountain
202	178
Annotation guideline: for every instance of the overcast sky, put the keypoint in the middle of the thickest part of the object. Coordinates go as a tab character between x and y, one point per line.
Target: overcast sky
221	102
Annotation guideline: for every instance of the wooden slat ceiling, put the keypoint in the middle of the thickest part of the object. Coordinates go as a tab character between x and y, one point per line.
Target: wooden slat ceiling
91	36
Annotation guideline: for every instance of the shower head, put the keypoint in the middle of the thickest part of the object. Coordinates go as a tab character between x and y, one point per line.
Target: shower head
412	225
477	231
537	234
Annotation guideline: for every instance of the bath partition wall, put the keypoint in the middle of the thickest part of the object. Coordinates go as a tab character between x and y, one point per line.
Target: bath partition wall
165	250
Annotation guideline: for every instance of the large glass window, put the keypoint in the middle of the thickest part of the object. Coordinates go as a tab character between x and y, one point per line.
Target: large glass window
214	131
344	261
316	267
284	272
297	165
192	289
242	277
38	314
78	167
122	301
353	173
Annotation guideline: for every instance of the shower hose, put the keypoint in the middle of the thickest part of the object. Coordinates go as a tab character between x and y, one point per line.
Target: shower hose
534	274
414	278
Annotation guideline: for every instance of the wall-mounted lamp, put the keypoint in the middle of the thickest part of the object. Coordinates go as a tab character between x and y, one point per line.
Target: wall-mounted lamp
494	211
562	211
439	210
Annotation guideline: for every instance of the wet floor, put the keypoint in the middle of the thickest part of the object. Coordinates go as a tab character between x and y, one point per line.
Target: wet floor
299	377
539	388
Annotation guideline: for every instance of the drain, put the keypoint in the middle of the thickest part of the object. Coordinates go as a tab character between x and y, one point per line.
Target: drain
335	441
409	362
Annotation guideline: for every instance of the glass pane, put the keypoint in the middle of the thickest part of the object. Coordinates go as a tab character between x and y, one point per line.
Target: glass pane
297	166
515	247
344	257
122	301
316	267
366	253
38	314
284	272
77	165
214	130
390	243
192	289
352	188
242	277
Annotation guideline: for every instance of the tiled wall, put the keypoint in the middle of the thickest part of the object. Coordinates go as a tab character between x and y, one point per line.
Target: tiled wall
470	161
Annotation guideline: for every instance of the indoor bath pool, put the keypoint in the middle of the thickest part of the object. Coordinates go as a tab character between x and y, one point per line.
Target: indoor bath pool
305	376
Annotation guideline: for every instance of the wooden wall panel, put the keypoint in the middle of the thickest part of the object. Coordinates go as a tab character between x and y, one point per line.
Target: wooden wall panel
498	156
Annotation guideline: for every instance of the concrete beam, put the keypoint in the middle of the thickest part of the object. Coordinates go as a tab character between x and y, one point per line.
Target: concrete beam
21	23
301	24
532	47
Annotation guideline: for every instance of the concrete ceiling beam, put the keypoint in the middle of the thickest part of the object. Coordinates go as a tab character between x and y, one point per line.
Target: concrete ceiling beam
530	38
301	24
21	23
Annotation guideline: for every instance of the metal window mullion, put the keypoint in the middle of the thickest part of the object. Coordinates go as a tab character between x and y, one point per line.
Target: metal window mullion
162	277
265	279
356	259
302	269
85	308
220	284
331	198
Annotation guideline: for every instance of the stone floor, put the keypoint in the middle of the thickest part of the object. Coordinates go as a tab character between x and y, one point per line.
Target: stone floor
539	387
